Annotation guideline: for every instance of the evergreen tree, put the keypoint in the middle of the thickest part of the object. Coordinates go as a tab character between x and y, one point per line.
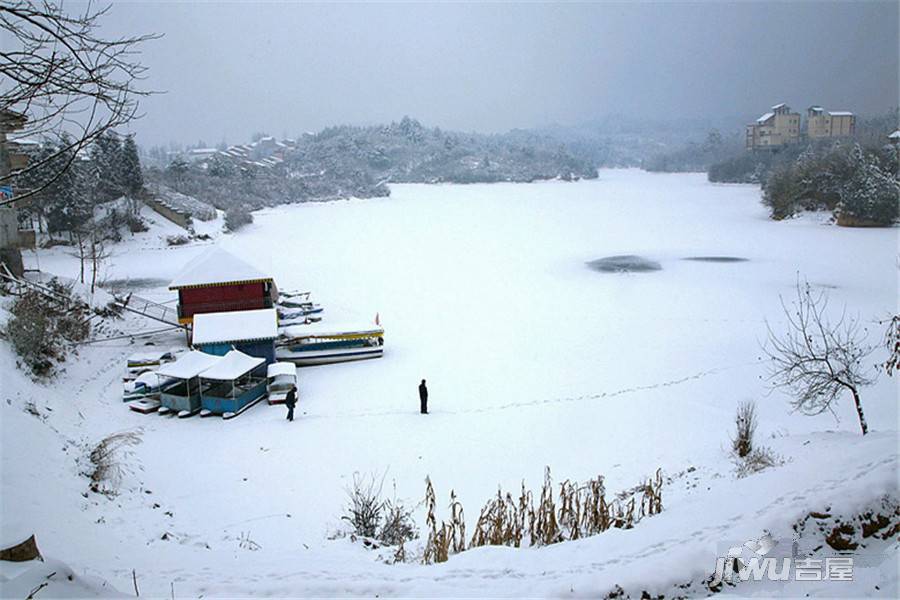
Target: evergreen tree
105	176
130	164
69	205
869	195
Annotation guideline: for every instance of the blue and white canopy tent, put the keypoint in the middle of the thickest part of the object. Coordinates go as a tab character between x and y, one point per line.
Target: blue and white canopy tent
234	383
183	396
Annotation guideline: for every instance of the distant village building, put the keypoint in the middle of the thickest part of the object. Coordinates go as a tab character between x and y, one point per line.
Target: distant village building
894	138
218	281
201	154
10	254
821	123
776	128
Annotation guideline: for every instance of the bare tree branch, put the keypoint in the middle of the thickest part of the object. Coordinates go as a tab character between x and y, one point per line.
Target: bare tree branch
66	79
816	360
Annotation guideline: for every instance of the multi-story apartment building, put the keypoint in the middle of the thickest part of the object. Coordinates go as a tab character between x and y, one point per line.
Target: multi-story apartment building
776	128
821	123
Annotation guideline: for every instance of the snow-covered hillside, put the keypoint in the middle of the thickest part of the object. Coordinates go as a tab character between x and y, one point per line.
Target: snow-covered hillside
532	360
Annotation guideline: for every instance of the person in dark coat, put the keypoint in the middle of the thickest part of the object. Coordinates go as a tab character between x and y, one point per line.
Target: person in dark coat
291	401
423	398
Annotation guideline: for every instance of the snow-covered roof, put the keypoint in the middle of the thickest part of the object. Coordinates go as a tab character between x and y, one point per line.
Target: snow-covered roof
281	368
239	325
765	117
840	113
217	266
895	135
188	366
777	106
331	330
232	365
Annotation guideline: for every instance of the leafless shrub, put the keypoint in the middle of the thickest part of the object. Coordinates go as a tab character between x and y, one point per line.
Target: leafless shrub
892	343
816	360
745	428
107	459
388	521
247	544
398	526
757	460
365	505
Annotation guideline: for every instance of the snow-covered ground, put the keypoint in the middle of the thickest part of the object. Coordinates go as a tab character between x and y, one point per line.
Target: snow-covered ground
531	358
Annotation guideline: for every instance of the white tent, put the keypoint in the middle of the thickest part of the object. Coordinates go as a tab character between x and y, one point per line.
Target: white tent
232	366
189	365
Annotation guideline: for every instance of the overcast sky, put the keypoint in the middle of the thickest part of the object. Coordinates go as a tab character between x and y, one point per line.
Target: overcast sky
232	69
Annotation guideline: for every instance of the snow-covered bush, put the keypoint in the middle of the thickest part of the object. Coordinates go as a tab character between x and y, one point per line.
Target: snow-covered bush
858	185
236	217
869	196
136	224
388	521
177	240
364	506
43	326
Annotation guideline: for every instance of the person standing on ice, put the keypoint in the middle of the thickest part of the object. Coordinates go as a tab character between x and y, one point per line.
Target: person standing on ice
291	401
423	398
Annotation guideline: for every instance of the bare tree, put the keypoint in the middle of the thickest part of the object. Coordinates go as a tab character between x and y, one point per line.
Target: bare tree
63	77
816	360
98	253
892	343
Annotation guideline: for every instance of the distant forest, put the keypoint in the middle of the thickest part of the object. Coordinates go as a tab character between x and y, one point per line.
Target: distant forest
345	161
359	161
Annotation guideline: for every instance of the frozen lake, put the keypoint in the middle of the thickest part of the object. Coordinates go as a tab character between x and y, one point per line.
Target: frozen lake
531	357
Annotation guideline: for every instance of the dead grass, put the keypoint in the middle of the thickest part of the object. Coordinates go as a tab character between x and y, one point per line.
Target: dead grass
577	511
108	459
759	459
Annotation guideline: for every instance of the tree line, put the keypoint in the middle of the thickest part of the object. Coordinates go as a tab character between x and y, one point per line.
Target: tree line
345	161
72	204
858	185
855	178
